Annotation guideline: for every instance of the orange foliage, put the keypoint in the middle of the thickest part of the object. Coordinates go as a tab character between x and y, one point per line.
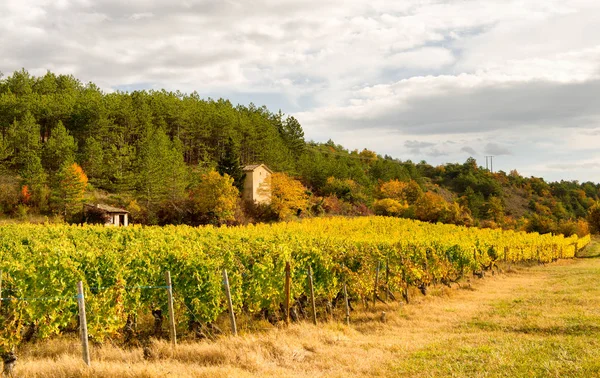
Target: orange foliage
25	194
73	183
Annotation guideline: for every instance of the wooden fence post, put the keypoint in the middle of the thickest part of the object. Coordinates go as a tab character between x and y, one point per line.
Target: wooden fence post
347	305
83	332
387	280
312	296
287	292
172	329
376	283
229	303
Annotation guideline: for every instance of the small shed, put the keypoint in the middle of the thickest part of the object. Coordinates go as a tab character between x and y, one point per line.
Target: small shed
257	177
110	215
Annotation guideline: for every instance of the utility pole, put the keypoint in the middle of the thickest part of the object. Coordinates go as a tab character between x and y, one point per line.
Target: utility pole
491	160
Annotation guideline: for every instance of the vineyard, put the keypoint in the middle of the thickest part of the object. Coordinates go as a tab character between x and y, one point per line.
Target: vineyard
123	269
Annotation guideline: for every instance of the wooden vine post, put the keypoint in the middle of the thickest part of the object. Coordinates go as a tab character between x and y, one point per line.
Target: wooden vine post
287	292
229	302
0	288
172	330
83	331
312	295
376	283
387	280
347	304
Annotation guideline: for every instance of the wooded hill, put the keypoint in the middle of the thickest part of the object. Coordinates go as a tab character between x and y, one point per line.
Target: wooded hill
63	142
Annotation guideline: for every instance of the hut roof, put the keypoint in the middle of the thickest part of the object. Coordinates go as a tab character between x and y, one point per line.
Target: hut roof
252	167
107	208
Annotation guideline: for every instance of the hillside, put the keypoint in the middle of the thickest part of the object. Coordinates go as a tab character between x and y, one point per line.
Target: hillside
63	143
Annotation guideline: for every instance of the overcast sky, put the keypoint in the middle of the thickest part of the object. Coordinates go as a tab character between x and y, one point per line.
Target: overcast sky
416	79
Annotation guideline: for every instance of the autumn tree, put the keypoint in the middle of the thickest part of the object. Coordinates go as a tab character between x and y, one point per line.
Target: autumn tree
393	189
288	196
495	209
431	207
389	206
72	183
215	197
368	156
593	218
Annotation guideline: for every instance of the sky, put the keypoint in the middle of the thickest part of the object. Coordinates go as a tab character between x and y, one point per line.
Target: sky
414	79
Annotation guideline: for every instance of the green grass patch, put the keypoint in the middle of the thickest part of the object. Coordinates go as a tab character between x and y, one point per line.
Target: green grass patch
548	330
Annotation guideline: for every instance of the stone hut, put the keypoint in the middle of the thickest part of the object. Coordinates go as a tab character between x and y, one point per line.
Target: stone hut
256	177
111	216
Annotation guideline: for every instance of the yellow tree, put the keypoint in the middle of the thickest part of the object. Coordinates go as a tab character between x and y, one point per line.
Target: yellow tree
288	196
401	191
389	206
431	207
216	197
71	188
393	189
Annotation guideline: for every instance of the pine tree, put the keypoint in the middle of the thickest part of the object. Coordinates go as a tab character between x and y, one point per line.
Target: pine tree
293	135
59	149
230	164
93	161
24	139
162	171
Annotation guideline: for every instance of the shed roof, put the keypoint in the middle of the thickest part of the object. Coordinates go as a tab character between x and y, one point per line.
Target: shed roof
252	167
107	208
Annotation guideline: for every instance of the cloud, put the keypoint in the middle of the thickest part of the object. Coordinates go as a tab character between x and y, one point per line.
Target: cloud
469	150
364	73
416	146
496	149
575	166
448	104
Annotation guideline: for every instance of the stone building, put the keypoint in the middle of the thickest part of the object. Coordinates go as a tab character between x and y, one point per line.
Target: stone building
256	184
109	215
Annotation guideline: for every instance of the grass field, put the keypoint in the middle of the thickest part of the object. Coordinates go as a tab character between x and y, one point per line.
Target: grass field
542	321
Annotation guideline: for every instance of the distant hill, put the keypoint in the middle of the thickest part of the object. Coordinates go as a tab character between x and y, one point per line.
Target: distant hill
147	151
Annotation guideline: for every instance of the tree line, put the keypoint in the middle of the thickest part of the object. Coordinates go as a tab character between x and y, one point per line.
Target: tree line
160	154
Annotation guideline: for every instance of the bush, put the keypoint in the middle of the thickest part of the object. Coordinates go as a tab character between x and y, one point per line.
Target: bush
9	194
388	206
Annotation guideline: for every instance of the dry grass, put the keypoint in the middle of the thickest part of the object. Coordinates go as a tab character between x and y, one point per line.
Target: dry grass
531	322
